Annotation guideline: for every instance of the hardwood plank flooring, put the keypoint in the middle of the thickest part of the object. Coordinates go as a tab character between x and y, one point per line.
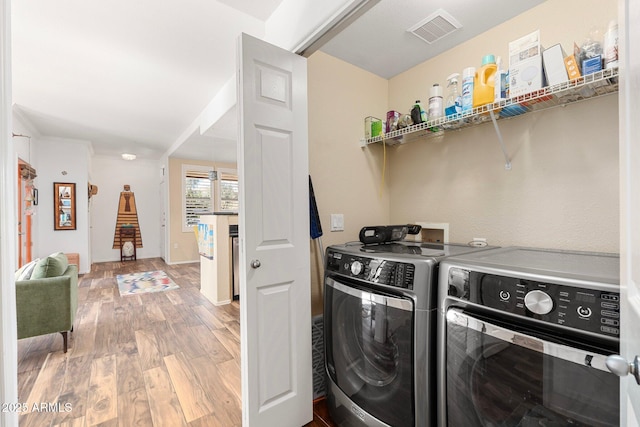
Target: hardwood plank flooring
103	399
159	359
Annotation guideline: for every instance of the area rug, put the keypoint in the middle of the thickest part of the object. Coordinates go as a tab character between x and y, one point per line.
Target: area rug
140	283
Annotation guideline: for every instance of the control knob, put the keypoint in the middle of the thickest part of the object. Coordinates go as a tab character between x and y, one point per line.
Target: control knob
538	302
356	268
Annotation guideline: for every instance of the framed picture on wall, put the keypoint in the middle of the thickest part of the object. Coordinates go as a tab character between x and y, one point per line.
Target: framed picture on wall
64	206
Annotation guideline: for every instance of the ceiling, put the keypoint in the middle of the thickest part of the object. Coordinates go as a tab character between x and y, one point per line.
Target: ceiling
132	76
380	43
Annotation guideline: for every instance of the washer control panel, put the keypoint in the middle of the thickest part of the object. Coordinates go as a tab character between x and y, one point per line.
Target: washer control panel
374	270
575	307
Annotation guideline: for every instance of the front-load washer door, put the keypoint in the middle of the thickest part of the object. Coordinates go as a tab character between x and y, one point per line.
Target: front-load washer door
501	374
368	342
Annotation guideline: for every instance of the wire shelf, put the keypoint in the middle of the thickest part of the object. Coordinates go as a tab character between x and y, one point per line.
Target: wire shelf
600	83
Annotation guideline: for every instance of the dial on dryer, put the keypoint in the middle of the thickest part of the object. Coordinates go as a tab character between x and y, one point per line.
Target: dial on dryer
538	302
356	268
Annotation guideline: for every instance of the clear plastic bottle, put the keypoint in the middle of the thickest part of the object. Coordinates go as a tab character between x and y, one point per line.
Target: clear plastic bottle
611	45
436	109
453	104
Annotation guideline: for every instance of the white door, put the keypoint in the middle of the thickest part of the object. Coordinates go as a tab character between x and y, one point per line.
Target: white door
274	236
629	107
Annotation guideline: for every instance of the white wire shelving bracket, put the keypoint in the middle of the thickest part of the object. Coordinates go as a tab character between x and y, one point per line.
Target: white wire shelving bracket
591	86
507	164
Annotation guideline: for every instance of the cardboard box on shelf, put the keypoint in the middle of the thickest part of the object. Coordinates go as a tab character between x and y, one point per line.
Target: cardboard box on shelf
525	65
572	67
554	68
572	64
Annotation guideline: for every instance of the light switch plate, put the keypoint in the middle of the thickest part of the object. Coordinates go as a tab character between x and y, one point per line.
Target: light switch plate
337	222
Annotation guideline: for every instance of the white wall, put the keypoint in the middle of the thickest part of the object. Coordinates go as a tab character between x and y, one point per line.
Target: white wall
53	157
346	179
111	174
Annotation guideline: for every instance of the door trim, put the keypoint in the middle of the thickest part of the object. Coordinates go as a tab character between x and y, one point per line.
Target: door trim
8	238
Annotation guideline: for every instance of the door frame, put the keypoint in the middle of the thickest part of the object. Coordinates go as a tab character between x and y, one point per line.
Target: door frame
8	235
629	151
19	223
25	223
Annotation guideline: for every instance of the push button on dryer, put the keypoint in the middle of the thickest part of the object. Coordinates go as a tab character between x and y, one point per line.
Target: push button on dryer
584	312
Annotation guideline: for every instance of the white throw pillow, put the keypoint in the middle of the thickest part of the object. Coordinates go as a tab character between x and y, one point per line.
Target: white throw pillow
24	273
127	249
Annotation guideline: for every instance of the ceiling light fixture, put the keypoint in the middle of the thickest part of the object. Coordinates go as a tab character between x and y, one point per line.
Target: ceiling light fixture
127	156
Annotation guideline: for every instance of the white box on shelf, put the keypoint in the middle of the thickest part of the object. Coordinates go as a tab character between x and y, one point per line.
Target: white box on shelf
554	68
525	65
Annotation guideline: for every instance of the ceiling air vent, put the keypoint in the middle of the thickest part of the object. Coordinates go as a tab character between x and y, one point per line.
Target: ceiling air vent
435	26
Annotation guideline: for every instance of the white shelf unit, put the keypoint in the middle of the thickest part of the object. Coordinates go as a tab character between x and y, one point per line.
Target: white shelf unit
591	86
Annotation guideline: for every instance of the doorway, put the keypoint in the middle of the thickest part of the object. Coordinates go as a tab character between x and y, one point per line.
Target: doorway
27	200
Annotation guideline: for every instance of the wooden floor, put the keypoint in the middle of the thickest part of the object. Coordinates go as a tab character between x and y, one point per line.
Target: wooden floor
158	359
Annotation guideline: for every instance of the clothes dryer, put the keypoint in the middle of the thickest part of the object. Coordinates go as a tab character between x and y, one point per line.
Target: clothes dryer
524	335
379	331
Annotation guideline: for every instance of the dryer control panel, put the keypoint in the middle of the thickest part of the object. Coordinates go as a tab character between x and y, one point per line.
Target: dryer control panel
575	307
374	270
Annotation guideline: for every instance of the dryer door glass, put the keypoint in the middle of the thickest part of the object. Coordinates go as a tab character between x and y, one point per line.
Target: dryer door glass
498	375
368	339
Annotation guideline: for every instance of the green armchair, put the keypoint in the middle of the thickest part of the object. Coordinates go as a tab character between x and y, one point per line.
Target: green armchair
47	305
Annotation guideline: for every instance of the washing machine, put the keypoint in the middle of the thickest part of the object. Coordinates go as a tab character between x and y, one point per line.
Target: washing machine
379	331
523	338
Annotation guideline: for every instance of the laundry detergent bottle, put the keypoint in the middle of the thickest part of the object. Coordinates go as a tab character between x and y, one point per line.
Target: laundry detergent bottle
484	82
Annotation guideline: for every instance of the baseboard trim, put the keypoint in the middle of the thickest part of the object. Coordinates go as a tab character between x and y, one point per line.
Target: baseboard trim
225	302
182	262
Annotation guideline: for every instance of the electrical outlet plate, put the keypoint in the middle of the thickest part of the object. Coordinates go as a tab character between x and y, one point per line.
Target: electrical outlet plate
337	222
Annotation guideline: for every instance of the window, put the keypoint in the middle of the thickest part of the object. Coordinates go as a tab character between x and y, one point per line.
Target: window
228	190
197	194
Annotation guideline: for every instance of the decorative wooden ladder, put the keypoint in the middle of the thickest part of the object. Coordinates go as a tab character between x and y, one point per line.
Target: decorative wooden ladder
127	216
